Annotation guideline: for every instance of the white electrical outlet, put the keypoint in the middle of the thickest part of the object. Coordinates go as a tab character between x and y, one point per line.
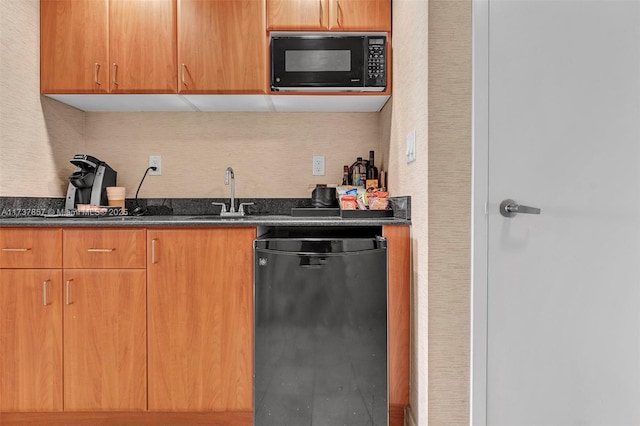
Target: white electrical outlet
155	161
318	165
411	147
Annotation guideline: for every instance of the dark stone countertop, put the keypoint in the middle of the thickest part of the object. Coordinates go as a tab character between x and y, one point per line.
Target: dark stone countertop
36	212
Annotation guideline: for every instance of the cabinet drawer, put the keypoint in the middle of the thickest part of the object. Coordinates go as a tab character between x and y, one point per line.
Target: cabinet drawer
104	248
30	248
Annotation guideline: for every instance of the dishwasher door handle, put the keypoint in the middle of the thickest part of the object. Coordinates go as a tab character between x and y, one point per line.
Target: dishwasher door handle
312	262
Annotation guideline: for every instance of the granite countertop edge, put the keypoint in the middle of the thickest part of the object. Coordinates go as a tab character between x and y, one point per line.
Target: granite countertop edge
179	221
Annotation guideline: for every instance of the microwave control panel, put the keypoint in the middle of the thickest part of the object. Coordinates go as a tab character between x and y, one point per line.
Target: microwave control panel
376	52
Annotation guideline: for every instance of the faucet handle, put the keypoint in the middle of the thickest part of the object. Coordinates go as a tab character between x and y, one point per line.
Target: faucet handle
223	205
241	208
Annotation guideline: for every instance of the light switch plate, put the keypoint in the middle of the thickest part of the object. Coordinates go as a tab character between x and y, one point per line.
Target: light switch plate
411	147
318	165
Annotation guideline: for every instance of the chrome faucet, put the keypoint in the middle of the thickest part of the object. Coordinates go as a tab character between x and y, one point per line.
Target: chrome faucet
232	207
227	173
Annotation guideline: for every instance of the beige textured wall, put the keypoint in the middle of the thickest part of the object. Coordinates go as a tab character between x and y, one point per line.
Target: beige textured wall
409	111
271	153
37	137
450	148
432	94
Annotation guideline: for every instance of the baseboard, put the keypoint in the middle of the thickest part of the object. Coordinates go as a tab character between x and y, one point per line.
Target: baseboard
133	418
409	420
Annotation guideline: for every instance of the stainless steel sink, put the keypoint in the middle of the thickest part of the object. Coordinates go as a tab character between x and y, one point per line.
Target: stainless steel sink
252	218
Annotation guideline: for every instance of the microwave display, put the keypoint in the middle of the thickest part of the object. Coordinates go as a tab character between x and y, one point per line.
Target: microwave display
319	62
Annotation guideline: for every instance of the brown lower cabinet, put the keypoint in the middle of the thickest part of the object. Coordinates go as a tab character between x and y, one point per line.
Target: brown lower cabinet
30	340
200	319
399	313
169	344
105	353
105	342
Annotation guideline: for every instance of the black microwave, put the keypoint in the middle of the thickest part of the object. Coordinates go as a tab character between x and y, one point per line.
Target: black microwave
329	62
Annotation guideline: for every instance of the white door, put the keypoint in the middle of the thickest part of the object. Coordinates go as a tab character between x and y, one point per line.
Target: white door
563	287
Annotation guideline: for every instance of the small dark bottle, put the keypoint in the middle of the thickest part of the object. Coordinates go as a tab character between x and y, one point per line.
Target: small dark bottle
372	170
345	176
358	172
351	167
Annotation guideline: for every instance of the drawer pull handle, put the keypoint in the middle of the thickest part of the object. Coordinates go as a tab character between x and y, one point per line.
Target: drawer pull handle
16	249
68	295
101	250
45	292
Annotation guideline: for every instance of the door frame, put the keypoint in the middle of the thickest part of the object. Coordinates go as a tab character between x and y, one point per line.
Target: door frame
479	213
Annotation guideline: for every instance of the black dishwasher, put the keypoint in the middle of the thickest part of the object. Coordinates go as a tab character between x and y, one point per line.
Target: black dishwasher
320	330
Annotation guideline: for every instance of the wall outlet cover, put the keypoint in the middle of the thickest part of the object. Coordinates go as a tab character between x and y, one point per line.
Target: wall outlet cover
155	161
318	165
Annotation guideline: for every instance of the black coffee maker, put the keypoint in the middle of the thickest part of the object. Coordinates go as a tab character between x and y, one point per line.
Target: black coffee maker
89	181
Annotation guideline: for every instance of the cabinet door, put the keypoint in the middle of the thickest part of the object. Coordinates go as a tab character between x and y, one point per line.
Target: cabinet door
200	318
222	46
297	15
360	15
105	339
30	340
74	49
142	44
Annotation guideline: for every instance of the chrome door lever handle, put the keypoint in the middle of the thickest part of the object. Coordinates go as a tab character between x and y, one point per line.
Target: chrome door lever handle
509	208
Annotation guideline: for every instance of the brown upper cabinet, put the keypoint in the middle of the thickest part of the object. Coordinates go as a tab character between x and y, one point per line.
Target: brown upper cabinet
142	46
221	46
180	46
108	46
332	15
74	46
